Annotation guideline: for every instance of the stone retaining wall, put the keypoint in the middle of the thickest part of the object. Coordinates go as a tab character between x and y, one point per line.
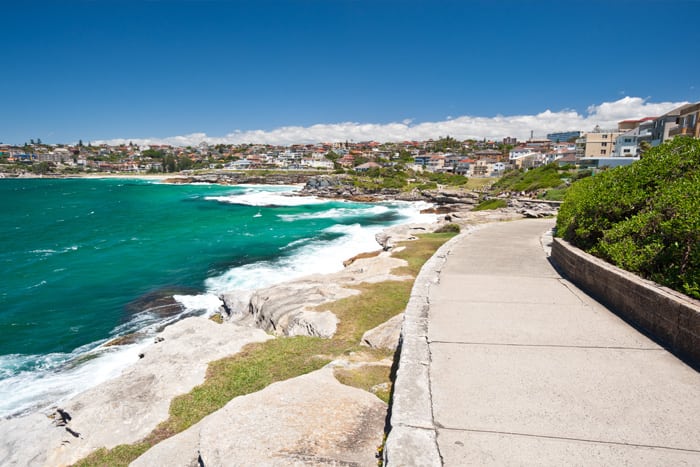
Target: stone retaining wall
671	318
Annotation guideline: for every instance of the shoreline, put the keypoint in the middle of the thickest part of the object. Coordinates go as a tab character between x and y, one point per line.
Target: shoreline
132	380
157	364
108	364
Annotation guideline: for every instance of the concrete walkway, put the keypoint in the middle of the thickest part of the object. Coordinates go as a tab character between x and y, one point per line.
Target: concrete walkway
506	363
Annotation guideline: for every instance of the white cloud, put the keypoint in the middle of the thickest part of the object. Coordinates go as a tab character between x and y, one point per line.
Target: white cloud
606	115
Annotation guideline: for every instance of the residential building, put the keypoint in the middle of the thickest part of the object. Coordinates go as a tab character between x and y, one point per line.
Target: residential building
564	136
367	166
628	144
664	124
688	122
598	143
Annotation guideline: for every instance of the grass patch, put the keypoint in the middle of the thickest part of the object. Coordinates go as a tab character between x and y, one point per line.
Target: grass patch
478	183
375	304
491	204
419	251
554	194
261	364
217	318
372	378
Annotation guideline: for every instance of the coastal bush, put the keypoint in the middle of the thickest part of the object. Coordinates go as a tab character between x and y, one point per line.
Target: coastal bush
451	227
645	217
547	176
554	194
489	204
449	179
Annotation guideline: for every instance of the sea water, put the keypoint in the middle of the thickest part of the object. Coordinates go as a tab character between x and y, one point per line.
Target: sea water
84	261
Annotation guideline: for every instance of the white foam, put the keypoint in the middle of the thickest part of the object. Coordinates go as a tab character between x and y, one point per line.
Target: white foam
207	303
59	377
336	213
269	196
314	257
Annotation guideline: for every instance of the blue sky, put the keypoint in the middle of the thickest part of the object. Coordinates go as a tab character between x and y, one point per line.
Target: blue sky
284	70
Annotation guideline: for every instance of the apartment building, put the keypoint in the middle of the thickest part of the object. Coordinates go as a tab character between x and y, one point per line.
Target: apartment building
688	122
598	143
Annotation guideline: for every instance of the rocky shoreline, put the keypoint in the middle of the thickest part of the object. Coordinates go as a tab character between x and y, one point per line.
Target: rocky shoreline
286	423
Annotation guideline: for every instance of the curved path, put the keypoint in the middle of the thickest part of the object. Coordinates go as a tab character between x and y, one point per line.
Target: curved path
504	362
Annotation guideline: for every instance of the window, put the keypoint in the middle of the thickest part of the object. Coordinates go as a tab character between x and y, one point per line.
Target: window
603	144
602	152
625	150
605	136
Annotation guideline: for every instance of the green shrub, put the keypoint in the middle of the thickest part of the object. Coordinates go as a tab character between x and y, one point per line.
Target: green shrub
555	194
491	204
547	176
451	227
645	217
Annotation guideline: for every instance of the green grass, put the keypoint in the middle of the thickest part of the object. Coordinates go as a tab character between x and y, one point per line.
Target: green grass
259	365
491	204
367	377
547	176
554	194
478	183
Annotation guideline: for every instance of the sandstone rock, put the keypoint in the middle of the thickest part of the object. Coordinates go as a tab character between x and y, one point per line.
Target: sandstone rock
313	323
308	420
384	336
127	408
275	308
384	240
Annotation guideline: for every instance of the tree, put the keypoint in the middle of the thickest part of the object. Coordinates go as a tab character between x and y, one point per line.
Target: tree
332	156
41	168
80	143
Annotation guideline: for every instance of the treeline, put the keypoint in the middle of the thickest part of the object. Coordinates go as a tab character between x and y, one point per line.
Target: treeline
645	217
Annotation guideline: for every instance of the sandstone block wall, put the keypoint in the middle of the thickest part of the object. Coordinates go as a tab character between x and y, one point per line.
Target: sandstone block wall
669	317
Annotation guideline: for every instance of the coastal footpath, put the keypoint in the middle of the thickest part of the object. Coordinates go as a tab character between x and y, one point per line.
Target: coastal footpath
504	362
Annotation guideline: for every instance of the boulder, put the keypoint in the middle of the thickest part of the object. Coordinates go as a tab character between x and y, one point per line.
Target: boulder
384	336
383	239
309	420
312	323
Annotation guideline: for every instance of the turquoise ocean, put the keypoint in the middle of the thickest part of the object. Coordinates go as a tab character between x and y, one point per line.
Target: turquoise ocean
86	260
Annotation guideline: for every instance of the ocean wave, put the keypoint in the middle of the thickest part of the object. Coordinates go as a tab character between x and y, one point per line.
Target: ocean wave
337	213
313	256
266	199
36	382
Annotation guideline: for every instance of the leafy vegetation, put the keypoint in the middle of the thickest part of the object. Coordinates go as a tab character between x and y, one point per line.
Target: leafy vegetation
645	217
489	204
547	176
259	365
451	227
405	180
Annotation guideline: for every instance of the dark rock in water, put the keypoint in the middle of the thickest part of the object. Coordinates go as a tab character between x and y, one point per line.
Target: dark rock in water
159	302
126	339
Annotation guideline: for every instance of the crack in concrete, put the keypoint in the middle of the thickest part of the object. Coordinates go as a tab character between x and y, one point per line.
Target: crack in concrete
583	440
506	344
